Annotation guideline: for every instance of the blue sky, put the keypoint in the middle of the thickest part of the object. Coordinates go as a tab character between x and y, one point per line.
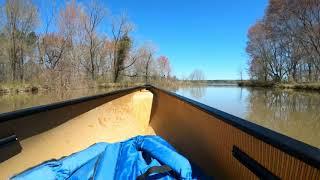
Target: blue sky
206	34
209	35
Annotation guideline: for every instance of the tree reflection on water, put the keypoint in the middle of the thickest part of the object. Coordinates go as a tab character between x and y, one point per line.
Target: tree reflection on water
292	113
198	92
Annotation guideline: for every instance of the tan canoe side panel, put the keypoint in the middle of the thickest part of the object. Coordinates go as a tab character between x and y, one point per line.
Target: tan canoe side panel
39	122
142	103
111	122
208	142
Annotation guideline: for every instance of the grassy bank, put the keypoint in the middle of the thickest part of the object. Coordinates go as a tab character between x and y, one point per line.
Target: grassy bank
297	86
16	88
11	88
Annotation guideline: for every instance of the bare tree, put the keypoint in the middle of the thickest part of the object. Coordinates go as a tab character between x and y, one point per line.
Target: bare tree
144	65
197	75
19	23
92	44
53	45
71	46
284	45
164	67
240	71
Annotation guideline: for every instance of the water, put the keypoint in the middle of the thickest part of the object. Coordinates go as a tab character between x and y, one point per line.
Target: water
295	114
292	113
11	102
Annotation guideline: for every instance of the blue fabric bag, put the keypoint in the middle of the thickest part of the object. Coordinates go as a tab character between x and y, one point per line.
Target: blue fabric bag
142	157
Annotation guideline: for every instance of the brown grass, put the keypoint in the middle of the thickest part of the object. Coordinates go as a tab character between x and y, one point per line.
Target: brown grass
297	86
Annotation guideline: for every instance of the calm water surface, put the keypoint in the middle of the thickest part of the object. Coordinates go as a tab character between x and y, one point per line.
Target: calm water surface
293	113
296	114
11	102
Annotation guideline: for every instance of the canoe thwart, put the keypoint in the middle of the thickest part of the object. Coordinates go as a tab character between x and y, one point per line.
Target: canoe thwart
9	146
252	164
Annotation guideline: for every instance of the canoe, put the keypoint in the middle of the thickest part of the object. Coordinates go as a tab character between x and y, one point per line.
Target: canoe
222	145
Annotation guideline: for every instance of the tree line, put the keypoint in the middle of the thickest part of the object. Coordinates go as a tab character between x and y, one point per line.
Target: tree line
77	43
285	44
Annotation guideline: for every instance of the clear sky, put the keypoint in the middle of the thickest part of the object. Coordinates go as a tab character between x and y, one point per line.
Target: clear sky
209	35
206	34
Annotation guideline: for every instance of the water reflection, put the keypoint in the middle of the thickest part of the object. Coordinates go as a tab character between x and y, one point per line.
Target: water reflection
195	92
295	114
198	92
11	102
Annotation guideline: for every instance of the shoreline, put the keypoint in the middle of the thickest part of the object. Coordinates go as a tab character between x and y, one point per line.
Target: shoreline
293	86
34	89
24	88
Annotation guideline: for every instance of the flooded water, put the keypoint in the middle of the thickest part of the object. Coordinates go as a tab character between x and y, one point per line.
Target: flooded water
295	114
11	102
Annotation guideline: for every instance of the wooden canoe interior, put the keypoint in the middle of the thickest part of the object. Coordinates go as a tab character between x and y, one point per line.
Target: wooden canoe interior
204	139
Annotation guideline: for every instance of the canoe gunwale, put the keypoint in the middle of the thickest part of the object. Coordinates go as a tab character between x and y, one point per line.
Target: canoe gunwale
298	149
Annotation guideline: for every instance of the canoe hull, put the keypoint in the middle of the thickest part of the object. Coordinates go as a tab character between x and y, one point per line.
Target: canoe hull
222	145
